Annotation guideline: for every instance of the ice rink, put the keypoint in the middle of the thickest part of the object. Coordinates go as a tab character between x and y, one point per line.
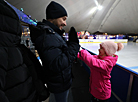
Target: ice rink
128	57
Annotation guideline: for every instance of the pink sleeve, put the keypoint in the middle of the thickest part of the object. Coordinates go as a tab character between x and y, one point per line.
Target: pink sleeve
79	56
93	62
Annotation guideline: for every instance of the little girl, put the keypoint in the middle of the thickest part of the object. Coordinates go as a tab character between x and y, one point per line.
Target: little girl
100	68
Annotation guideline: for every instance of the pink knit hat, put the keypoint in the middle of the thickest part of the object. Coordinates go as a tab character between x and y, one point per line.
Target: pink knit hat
111	47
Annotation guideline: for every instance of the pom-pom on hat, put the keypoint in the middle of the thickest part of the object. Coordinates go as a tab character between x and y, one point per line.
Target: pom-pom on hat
55	10
111	47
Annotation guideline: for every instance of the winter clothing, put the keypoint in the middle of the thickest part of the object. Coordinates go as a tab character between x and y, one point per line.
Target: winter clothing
110	47
55	10
73	35
36	72
16	81
100	69
93	99
57	57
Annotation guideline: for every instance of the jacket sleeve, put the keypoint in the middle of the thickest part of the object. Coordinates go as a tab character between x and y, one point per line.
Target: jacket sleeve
3	97
103	66
36	72
55	53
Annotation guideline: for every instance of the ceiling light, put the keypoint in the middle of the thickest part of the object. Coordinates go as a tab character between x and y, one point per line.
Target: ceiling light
93	10
100	7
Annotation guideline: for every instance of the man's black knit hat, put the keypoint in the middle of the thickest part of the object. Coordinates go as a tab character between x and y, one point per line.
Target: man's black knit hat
55	10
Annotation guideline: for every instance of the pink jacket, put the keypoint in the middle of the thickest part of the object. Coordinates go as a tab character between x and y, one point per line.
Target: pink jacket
100	68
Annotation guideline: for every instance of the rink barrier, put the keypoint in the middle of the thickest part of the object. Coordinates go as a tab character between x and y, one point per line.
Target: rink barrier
102	40
124	82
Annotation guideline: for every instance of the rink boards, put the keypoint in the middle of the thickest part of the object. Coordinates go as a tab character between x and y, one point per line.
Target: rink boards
101	40
128	57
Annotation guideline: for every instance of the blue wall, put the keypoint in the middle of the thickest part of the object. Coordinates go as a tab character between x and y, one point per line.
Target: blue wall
22	16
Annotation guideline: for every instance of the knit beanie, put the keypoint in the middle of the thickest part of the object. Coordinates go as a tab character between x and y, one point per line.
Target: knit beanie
55	10
111	47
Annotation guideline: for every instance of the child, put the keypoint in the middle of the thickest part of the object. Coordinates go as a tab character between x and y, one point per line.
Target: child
100	68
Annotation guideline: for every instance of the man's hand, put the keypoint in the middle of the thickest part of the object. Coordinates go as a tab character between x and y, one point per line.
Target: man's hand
73	35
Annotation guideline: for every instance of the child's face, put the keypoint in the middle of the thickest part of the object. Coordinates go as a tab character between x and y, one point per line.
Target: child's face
102	51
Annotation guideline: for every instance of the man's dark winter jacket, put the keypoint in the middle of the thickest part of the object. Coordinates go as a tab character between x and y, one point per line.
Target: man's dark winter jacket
57	56
16	81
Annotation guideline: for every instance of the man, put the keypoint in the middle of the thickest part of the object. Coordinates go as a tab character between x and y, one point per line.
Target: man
57	56
18	78
28	42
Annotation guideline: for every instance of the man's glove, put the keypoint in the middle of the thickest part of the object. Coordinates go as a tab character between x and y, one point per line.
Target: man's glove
73	35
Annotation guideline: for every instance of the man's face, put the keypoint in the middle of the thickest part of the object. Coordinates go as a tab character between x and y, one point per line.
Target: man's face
60	22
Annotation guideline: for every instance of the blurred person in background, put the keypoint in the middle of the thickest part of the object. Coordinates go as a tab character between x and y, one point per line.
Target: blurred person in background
27	42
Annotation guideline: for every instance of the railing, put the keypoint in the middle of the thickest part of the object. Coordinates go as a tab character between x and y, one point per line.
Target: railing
124	83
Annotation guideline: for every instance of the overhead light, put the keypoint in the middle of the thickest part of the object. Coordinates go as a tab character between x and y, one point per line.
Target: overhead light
21	9
93	10
100	7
